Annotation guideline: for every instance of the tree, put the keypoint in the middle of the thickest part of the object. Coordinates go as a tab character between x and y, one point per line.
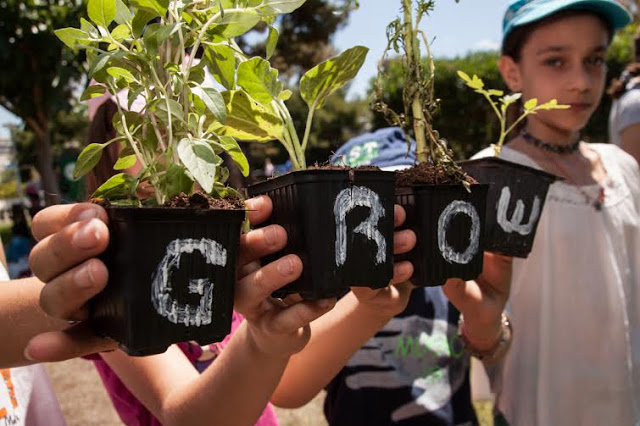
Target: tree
39	73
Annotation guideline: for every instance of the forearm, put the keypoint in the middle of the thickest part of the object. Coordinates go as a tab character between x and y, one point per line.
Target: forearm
233	391
335	337
22	318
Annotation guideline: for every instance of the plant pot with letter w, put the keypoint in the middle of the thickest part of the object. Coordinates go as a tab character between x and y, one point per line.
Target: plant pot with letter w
174	224
517	193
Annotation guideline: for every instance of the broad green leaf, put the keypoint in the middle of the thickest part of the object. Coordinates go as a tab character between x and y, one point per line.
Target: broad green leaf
123	14
117	186
88	159
156	7
277	7
102	12
177	180
121	32
159	107
132	95
231	147
329	76
259	80
463	75
530	104
124	162
553	104
99	65
249	120
509	99
236	23
72	36
285	95
214	102
93	91
494	92
88	27
120	73
222	64
140	20
272	41
199	158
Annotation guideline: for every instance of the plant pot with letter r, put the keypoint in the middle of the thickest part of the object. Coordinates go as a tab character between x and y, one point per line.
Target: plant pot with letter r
173	247
339	221
444	206
517	193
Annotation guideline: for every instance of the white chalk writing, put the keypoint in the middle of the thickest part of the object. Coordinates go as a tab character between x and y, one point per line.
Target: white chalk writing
165	304
347	200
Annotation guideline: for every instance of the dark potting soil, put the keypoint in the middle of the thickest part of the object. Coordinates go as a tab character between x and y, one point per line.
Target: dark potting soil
200	200
428	174
197	200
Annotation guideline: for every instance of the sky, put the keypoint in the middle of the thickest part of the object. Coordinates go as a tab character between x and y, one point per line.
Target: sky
456	28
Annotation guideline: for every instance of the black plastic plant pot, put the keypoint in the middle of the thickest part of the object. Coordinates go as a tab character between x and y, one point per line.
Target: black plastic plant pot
448	221
339	223
515	201
171	277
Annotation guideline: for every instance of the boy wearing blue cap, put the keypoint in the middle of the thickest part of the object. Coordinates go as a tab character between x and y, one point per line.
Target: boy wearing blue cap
575	301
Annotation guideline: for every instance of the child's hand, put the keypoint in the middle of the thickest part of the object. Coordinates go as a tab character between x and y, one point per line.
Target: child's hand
70	236
391	300
277	328
483	300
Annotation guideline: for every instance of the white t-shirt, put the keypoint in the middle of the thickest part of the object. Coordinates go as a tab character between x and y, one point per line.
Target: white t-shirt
26	396
575	306
625	111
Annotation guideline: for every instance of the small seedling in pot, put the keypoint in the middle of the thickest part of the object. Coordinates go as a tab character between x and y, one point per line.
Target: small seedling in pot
501	104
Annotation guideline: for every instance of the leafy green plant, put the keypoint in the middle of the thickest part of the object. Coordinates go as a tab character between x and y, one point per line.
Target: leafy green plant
420	104
255	98
143	46
501	104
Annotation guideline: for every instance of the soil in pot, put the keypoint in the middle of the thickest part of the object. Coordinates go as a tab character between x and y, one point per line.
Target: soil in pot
515	201
448	221
339	222
171	274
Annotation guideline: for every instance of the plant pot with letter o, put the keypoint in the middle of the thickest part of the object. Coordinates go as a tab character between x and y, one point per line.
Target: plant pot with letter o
444	206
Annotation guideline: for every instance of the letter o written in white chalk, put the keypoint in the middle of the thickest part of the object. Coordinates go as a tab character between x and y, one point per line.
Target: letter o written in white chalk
347	200
448	252
161	298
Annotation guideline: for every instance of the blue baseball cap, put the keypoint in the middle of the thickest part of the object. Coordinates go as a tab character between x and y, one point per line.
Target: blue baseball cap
522	12
385	148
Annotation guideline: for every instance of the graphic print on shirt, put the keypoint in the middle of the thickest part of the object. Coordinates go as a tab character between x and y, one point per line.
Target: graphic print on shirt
8	400
423	351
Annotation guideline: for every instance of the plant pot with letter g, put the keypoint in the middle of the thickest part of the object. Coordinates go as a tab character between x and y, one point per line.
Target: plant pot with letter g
174	224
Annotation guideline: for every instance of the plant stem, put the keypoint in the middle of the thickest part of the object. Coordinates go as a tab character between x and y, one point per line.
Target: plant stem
307	130
412	49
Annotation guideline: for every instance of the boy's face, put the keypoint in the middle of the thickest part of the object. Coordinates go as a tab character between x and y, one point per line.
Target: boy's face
564	60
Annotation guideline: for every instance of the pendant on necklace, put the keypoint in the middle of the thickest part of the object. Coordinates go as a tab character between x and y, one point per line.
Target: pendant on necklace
599	202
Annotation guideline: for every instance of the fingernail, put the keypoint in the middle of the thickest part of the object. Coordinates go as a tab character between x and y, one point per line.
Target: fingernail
271	236
88	214
84	276
87	236
254	203
285	266
27	355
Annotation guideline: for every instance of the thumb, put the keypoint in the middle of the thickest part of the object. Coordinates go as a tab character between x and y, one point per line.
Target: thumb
73	342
